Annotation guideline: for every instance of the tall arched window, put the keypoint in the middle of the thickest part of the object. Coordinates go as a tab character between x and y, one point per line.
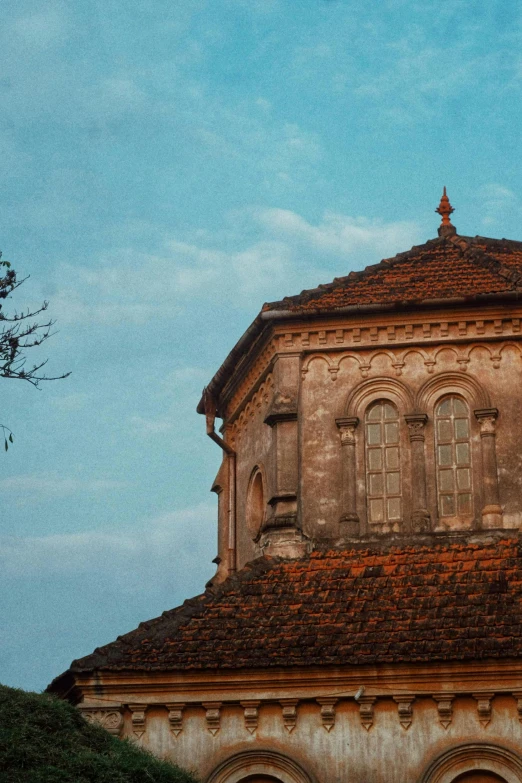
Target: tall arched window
383	476
453	454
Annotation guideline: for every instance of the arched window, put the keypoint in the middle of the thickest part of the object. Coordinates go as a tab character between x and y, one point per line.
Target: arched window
383	475
255	502
453	455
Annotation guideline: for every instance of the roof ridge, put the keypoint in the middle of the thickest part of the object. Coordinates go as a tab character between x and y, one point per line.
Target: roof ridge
477	254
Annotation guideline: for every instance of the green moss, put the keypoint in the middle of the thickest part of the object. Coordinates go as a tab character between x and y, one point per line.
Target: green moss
46	740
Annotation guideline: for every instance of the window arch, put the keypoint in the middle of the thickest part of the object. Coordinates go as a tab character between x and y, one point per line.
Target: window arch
453	457
383	465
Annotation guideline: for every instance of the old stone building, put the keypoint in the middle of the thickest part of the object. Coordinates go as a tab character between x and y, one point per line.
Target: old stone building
365	621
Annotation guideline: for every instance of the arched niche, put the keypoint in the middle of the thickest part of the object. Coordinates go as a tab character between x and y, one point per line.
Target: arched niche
466	763
448	383
264	765
256	501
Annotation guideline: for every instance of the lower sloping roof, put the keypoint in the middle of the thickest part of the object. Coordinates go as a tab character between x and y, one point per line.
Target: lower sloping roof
452	600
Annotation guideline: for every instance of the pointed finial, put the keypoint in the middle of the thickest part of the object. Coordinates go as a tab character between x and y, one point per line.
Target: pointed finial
445	209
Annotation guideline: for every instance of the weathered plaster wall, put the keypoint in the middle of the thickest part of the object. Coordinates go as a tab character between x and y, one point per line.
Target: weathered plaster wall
334	358
390	738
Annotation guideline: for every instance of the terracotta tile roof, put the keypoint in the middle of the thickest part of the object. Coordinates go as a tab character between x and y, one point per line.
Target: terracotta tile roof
442	268
367	605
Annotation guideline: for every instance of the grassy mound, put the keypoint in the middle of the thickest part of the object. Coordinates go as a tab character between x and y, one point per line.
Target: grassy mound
45	740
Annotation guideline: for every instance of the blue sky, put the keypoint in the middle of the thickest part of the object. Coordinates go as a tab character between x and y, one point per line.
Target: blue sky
166	168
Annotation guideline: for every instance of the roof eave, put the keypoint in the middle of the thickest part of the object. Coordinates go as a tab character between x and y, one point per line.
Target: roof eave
265	317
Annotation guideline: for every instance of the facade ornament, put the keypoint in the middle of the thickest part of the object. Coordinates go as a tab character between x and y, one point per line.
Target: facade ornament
251	715
138	719
405	709
111	719
213	716
328	712
444	707
446	228
176	717
289	707
483	706
366	710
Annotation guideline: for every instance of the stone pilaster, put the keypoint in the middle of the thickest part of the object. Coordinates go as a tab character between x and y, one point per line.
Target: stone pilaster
492	510
349	519
281	533
420	517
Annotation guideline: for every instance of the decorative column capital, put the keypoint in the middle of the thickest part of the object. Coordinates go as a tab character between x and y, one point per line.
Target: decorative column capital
483	706
176	717
138	719
416	423
366	710
289	708
518	696
328	711
444	707
487	418
405	709
251	715
212	716
347	426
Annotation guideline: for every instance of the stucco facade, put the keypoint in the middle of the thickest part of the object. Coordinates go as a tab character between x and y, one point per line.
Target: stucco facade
365	620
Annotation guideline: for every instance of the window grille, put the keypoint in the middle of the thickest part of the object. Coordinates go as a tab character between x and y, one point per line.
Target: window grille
383	475
453	453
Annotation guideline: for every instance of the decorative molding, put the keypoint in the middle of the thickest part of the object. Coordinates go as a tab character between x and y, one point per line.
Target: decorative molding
176	717
518	696
251	715
405	709
289	710
213	715
260	763
444	707
483	707
366	710
110	718
328	712
138	719
472	756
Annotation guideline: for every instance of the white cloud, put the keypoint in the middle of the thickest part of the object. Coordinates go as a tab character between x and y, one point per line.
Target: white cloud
285	251
341	233
71	402
171	539
149	426
496	200
46	486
